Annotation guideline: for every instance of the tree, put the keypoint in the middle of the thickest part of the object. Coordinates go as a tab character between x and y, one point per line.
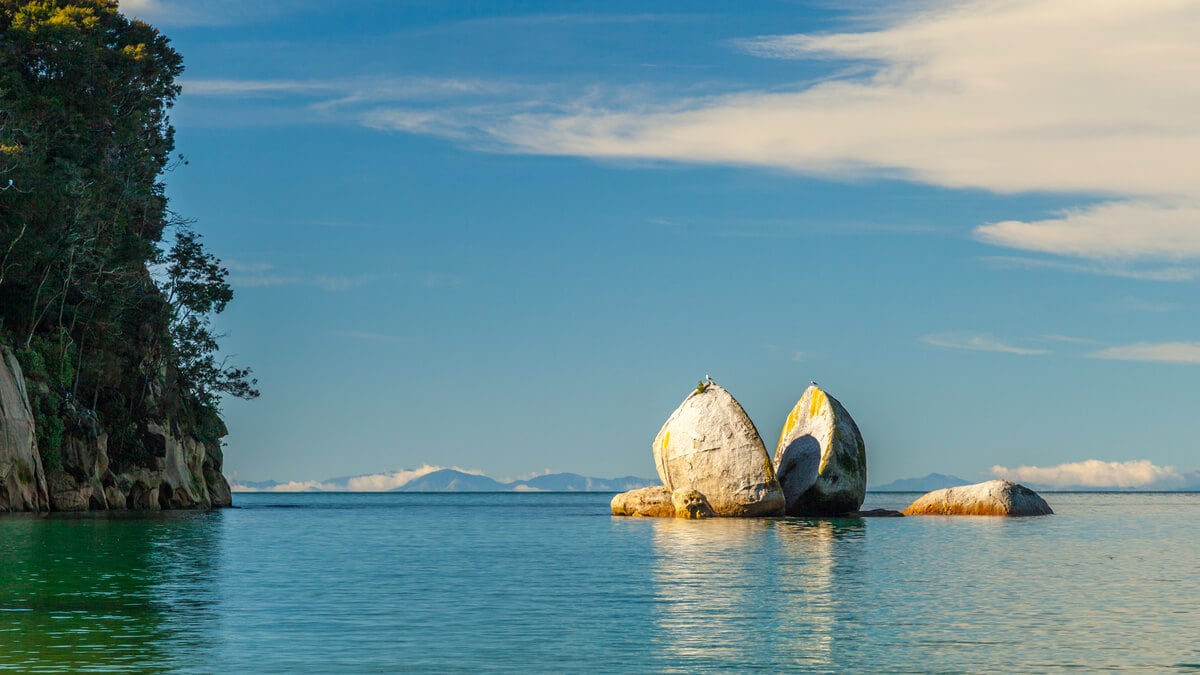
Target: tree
195	288
85	138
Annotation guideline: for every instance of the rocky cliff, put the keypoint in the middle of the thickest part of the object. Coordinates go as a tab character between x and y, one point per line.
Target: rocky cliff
176	469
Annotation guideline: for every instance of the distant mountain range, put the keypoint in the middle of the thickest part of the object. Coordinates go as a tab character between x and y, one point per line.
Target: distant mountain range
452	480
934	481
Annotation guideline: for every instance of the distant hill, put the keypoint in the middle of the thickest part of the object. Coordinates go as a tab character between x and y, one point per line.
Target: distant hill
934	481
573	482
253	485
449	480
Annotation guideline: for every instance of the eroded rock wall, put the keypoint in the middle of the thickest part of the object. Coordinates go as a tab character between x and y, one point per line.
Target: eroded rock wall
22	479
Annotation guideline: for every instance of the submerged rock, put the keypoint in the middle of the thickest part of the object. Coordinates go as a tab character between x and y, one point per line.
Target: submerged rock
821	459
992	498
710	445
649	502
875	513
22	479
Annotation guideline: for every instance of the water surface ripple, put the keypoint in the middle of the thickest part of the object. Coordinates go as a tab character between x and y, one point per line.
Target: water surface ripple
551	582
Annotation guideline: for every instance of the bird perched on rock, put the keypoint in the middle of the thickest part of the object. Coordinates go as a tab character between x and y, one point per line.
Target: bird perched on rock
813	382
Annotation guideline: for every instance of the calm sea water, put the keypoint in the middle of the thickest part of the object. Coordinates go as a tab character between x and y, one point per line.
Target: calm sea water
551	582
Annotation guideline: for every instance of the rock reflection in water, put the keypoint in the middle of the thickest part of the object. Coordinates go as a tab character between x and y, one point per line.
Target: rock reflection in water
744	593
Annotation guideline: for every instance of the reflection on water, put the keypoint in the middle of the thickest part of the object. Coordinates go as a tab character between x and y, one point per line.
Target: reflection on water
518	582
749	592
100	593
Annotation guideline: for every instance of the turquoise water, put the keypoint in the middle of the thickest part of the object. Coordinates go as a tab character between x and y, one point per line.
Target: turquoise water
550	582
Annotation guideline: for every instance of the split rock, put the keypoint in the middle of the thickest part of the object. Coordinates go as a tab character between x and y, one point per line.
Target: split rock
710	445
651	502
992	498
821	459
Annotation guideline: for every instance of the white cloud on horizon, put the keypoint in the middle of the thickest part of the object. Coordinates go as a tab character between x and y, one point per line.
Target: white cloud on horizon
1155	352
983	343
377	482
1094	473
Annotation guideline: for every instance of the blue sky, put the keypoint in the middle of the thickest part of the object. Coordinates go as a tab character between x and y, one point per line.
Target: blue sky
509	237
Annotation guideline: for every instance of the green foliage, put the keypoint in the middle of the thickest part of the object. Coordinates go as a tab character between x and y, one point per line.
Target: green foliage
701	387
195	287
47	367
112	318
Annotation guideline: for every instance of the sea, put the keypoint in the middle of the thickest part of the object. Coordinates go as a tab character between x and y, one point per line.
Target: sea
551	582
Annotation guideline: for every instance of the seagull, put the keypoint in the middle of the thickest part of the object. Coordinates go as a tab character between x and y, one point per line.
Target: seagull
813	382
708	379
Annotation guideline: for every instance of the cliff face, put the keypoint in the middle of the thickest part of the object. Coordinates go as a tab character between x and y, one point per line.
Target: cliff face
183	472
22	480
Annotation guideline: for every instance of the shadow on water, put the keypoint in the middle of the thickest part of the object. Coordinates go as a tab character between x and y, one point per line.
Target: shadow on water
753	592
106	593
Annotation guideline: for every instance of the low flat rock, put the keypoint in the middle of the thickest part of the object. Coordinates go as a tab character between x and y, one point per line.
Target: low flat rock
648	502
710	445
821	459
992	498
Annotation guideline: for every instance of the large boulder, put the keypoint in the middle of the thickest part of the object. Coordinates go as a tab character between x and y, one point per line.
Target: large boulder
710	445
821	459
992	498
22	479
650	502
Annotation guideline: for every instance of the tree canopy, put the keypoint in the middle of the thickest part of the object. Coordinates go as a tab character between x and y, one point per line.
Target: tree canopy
113	290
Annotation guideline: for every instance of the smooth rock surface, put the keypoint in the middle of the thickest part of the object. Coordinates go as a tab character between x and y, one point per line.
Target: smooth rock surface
821	459
710	445
22	479
992	498
649	502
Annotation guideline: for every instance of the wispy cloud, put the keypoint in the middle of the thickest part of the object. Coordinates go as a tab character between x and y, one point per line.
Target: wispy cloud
209	12
249	88
983	343
1094	473
1123	270
267	277
1022	96
1068	339
1156	352
1154	230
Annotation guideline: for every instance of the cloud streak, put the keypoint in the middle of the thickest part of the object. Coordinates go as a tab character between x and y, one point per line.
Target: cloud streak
1094	473
1152	352
983	343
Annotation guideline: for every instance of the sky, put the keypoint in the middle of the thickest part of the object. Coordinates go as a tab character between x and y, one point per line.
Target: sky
509	237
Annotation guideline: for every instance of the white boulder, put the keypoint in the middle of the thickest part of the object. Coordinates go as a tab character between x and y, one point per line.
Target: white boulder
821	459
710	445
992	498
